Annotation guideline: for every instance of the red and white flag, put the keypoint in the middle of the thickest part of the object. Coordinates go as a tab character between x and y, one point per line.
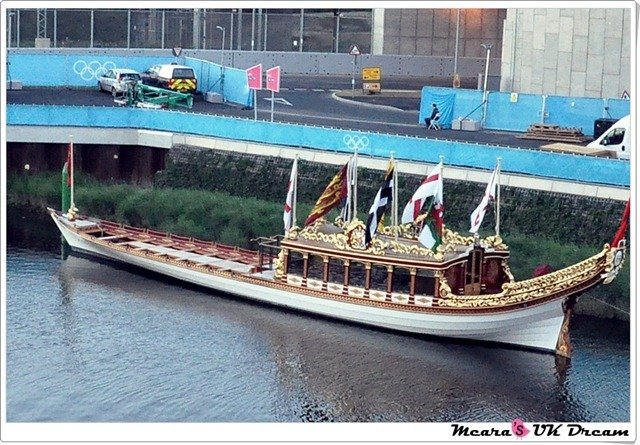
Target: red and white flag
289	204
431	186
489	195
254	77
273	79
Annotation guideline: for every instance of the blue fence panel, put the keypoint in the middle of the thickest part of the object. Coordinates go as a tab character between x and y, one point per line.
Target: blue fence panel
468	104
619	108
521	161
236	88
444	100
502	114
202	69
465	101
81	70
574	112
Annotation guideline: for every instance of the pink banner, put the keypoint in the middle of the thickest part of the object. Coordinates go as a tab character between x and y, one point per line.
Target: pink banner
273	79
254	77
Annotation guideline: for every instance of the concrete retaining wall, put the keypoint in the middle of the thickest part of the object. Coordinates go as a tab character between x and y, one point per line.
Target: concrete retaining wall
161	139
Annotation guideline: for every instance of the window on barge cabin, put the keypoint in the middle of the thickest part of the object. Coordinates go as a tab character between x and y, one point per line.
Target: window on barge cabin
316	268
401	280
378	278
425	284
357	274
296	263
336	271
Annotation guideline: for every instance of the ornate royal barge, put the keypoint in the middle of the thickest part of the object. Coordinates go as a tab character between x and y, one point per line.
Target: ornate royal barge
462	288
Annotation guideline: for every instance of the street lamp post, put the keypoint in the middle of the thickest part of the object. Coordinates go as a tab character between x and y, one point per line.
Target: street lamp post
221	28
456	77
338	15
11	14
486	46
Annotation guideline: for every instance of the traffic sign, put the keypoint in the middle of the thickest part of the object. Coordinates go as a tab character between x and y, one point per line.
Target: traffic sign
354	50
254	77
273	79
625	95
371	73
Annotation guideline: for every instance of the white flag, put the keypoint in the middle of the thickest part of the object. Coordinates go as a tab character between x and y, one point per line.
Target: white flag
288	205
490	193
431	186
347	212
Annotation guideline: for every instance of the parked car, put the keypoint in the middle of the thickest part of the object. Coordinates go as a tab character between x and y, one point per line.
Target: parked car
115	80
172	77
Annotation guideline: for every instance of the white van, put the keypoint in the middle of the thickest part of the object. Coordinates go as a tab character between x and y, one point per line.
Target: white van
172	77
616	138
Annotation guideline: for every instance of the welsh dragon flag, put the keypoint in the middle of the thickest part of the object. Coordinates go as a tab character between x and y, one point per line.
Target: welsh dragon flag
431	234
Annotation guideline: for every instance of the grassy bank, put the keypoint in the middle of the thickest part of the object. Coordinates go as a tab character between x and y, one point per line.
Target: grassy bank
236	220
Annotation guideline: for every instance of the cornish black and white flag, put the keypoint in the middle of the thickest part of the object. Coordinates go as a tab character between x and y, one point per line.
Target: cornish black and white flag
383	199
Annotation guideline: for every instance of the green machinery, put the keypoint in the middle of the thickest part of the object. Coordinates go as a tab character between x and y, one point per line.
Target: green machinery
144	96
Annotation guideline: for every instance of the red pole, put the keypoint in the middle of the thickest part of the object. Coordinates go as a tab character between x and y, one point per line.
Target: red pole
624	222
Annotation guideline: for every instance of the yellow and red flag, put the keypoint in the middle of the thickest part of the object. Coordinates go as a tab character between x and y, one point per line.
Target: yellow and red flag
333	195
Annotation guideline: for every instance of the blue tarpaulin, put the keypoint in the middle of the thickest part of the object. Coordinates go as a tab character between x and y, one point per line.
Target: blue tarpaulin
443	100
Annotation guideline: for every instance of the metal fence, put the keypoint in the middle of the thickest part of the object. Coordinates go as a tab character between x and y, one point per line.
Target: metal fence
255	29
586	169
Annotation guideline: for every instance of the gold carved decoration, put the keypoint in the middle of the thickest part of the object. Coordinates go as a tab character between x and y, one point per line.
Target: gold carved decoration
445	290
534	288
403	230
563	345
507	271
615	261
352	239
278	265
414	249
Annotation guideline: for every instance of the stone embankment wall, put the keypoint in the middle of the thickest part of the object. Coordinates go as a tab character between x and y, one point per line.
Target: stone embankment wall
566	218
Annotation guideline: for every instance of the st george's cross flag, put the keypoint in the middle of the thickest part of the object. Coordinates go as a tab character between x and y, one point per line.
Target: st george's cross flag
380	203
289	203
429	187
489	195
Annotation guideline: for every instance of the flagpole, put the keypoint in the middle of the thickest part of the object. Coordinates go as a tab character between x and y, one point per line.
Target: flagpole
272	104
442	182
392	161
349	190
255	105
355	185
72	175
395	198
498	201
295	194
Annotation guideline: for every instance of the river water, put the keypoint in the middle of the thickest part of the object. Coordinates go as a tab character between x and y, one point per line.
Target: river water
93	341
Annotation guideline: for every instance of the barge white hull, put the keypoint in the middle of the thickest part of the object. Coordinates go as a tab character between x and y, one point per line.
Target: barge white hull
537	326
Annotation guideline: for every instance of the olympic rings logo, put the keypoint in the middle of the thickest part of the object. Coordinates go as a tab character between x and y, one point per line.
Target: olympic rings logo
355	142
92	70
